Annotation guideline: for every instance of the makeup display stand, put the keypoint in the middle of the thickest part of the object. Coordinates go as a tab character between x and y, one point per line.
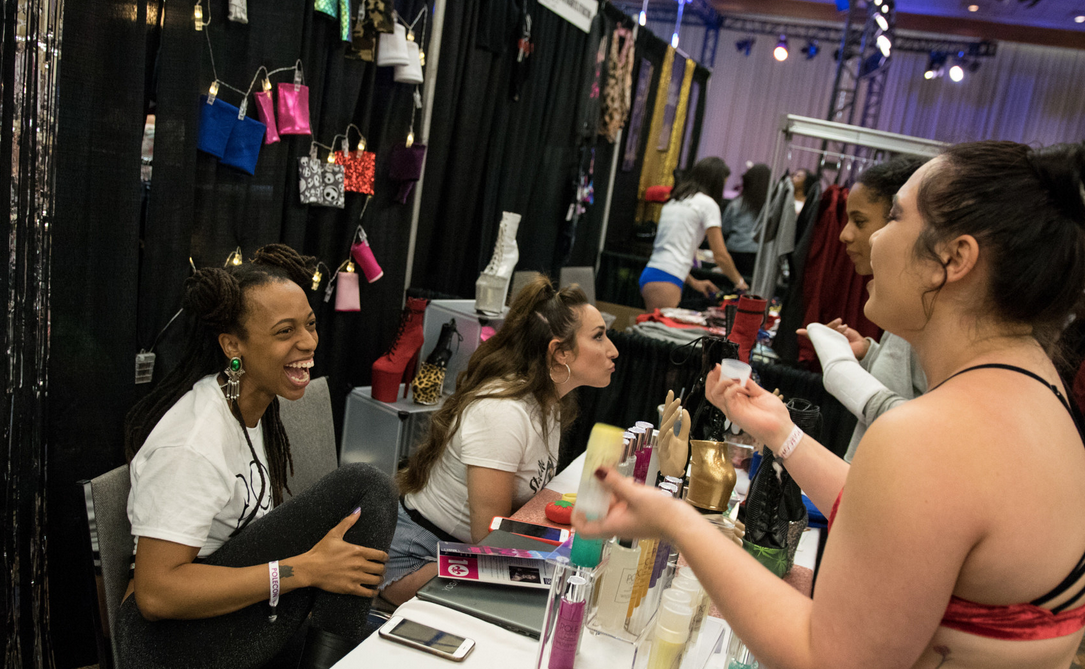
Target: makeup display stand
571	637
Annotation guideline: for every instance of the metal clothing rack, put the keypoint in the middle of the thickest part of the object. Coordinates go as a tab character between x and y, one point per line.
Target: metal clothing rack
851	137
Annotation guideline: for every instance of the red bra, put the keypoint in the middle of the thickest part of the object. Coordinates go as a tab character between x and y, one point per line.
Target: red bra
1016	622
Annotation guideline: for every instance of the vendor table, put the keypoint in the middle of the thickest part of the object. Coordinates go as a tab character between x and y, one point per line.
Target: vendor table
498	647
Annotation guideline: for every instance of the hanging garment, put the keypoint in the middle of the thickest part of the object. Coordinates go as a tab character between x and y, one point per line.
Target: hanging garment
786	343
338	10
672	100
616	95
778	232
831	287
521	67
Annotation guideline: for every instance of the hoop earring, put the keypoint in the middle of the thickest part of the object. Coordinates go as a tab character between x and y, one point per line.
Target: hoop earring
569	376
233	374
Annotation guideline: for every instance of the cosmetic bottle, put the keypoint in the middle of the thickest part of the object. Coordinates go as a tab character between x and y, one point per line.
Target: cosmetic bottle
604	448
637	618
570	623
617	586
739	656
701	608
625	463
690	586
671	631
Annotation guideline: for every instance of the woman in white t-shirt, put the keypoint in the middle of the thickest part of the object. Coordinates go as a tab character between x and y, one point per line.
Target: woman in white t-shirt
494	443
691	215
227	574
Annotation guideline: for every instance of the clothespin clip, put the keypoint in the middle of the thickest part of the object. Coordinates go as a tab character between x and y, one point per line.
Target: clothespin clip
243	108
197	15
213	92
297	76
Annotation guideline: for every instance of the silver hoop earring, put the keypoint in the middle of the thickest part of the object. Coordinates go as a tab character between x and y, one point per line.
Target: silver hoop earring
233	374
569	376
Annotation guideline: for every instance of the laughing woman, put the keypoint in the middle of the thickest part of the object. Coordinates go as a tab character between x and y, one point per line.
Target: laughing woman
226	573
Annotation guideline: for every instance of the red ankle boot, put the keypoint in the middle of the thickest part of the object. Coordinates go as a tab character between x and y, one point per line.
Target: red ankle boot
748	320
400	362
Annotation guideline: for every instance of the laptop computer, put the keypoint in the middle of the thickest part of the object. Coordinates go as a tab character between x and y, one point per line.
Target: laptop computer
516	609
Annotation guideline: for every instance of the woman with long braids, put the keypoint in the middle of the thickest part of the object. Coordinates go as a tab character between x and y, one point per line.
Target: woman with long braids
227	574
494	443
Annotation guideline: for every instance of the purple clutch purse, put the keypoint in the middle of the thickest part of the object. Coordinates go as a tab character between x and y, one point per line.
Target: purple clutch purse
406	168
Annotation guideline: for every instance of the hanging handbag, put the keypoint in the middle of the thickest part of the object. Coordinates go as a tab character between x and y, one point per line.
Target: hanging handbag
359	167
363	254
243	146
217	119
293	106
265	110
320	182
239	11
347	294
406	167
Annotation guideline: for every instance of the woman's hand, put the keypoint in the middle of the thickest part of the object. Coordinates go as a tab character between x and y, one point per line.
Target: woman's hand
704	286
754	409
858	343
637	511
336	565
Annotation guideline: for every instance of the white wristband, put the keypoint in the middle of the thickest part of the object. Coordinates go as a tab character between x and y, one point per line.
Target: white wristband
273	575
788	447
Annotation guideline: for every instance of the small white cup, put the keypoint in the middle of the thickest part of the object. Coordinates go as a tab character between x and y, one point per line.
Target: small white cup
735	369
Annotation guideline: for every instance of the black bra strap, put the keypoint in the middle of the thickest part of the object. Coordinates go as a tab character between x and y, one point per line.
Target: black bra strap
1072	409
1079	570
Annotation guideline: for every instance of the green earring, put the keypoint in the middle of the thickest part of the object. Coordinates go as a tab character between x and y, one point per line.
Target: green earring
233	379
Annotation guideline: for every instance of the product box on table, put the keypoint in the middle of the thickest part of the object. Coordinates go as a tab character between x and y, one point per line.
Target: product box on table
508	566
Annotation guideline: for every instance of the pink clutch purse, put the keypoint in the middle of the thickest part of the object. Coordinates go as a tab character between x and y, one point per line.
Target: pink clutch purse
265	110
293	106
346	292
363	255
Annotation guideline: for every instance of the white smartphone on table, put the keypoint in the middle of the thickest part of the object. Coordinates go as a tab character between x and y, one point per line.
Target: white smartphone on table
424	637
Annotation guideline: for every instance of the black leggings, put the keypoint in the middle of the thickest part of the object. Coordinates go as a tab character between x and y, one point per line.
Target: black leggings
246	638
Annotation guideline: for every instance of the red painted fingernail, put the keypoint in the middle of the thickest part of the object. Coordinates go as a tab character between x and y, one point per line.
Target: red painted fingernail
600	473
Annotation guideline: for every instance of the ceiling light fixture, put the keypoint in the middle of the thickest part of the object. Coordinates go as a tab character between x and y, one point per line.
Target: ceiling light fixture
811	49
881	21
935	65
973	8
780	52
885	8
956	73
1079	19
744	46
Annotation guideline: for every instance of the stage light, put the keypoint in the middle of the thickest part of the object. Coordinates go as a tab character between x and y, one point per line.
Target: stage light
956	73
811	49
885	8
780	52
1079	19
881	21
877	3
935	65
643	18
973	8
745	45
884	45
674	40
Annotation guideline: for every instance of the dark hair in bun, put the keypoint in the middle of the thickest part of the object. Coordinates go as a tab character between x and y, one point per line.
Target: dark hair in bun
885	179
214	302
1025	208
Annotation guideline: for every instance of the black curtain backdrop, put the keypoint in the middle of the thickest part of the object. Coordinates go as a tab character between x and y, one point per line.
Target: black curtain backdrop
118	274
489	154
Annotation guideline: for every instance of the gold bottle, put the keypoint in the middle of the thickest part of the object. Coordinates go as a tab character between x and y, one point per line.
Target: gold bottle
712	476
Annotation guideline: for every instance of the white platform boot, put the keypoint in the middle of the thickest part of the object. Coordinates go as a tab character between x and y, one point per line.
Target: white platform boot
492	287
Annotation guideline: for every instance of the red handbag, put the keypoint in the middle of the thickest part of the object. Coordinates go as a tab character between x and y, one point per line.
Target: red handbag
359	166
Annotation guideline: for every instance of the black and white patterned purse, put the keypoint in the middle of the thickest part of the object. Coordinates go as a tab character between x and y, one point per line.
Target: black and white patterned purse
320	182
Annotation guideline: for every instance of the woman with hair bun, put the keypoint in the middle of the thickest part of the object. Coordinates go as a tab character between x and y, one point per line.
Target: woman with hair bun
226	573
494	443
957	534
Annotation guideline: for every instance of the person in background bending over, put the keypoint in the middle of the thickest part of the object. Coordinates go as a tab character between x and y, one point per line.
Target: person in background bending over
691	215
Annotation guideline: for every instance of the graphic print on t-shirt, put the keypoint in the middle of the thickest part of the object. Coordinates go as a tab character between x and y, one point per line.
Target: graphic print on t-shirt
263	498
546	472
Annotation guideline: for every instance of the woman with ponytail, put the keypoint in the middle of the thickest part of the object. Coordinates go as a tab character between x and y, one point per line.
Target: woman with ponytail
494	443
226	574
